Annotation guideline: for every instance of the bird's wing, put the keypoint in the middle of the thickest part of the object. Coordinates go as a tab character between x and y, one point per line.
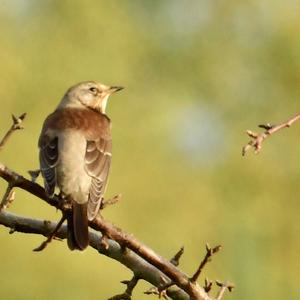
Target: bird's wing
48	161
97	164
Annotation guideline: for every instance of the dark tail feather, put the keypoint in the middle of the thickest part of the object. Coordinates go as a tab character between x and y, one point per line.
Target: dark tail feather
78	232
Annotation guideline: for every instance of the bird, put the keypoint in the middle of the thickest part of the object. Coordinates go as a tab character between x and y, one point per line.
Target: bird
75	155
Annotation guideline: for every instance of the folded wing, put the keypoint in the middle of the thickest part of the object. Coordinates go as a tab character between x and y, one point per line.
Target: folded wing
97	164
48	161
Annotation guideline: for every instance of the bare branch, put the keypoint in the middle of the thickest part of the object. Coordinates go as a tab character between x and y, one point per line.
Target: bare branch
258	138
8	197
34	174
162	290
224	286
130	285
209	253
125	240
207	285
138	265
112	201
17	121
52	235
175	259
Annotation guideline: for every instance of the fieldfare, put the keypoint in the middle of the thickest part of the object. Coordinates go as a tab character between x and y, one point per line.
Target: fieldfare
75	154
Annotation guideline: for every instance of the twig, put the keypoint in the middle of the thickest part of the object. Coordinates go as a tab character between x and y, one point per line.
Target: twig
209	253
207	285
8	197
161	291
17	121
175	259
224	287
34	174
258	138
156	291
52	235
130	285
111	201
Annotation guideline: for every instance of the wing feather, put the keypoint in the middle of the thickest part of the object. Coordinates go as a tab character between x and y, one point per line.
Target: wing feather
97	164
48	161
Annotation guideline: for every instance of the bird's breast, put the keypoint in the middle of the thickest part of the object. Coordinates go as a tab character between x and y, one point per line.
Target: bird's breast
72	179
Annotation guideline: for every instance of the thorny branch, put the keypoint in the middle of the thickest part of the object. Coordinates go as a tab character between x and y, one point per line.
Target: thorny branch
163	290
143	261
207	258
224	286
9	194
258	138
17	121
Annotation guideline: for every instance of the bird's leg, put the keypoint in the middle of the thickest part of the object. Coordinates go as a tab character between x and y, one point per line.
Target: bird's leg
106	202
52	234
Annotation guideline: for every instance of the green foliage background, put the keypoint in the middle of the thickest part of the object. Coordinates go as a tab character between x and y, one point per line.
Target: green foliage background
197	74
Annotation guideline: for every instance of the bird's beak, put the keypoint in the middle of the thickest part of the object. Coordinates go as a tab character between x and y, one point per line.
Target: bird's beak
114	89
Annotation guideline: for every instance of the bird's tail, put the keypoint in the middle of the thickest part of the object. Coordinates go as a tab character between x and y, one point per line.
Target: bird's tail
78	232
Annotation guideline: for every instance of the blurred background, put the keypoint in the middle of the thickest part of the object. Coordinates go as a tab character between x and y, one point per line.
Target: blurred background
197	75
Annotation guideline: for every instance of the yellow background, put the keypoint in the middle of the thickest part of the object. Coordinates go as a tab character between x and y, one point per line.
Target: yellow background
197	75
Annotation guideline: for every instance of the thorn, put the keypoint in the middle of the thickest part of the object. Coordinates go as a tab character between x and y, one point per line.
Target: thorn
22	116
175	259
252	134
112	201
41	247
34	174
207	285
267	126
8	197
52	233
229	285
15	119
216	249
207	258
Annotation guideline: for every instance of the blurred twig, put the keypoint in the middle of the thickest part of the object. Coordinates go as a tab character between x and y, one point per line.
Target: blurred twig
9	194
8	197
223	287
17	121
258	138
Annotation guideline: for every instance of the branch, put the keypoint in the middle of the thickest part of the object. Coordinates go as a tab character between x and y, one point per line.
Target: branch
207	258
17	121
128	258
164	268
258	138
112	241
223	287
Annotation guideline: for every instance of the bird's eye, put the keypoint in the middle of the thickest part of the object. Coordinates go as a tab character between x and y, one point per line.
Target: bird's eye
93	90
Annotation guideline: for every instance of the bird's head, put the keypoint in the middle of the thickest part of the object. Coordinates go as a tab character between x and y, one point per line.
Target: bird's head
88	94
